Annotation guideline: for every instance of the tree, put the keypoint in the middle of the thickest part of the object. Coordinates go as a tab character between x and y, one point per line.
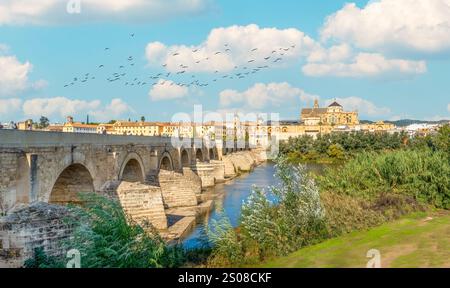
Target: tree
442	139
142	118
336	151
43	122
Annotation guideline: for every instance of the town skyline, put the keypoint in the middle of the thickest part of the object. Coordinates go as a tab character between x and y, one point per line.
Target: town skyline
382	78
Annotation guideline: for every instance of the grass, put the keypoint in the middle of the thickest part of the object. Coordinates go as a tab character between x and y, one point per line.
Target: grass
419	240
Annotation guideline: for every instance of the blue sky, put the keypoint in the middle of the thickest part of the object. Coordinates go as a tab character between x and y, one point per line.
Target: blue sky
385	71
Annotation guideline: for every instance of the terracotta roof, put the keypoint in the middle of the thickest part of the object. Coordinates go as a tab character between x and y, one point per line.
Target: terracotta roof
80	125
136	124
313	112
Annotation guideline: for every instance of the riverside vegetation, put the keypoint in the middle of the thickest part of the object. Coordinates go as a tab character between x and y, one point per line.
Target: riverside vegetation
379	179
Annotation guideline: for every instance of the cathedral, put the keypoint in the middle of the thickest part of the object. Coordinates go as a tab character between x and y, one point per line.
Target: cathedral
333	115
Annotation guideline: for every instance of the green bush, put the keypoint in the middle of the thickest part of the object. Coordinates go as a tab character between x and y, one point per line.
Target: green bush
421	174
294	218
336	147
107	238
41	260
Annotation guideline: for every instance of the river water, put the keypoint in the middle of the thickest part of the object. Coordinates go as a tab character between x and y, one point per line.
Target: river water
233	194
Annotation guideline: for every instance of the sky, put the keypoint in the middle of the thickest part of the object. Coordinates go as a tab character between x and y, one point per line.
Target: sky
387	59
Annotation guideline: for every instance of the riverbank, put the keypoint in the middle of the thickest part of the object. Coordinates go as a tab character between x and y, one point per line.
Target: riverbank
415	241
183	221
228	198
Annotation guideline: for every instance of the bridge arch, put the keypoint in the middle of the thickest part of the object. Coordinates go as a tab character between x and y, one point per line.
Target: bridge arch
132	169
185	160
199	155
73	179
166	162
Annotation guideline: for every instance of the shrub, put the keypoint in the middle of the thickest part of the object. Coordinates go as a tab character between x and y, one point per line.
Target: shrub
423	175
41	260
227	248
267	228
106	237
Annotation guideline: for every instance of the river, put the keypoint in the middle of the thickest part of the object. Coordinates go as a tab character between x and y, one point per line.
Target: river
232	194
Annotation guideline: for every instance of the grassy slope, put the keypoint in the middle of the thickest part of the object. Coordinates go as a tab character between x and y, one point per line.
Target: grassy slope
416	241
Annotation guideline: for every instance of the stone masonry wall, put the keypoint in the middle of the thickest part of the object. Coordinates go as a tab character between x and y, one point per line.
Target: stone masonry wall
8	181
143	203
195	181
206	173
219	171
23	230
230	171
177	190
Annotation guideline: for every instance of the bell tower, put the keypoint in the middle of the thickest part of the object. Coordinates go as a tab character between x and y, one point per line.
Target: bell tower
316	104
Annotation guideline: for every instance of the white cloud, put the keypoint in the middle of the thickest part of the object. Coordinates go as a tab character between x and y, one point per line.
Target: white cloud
410	25
62	107
113	110
437	118
40	84
43	12
4	49
167	90
9	106
261	95
364	65
13	76
212	54
333	54
363	106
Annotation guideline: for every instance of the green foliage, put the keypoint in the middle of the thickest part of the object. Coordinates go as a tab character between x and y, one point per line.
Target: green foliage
227	249
43	122
42	260
336	151
336	147
442	139
272	228
421	174
106	237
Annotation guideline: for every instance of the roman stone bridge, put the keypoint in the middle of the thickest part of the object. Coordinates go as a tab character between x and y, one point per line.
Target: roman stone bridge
149	176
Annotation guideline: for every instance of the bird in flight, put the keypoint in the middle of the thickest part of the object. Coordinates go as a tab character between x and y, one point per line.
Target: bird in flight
250	61
175	54
254	49
132	35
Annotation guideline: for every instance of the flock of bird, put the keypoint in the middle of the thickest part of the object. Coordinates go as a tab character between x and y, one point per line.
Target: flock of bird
123	74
